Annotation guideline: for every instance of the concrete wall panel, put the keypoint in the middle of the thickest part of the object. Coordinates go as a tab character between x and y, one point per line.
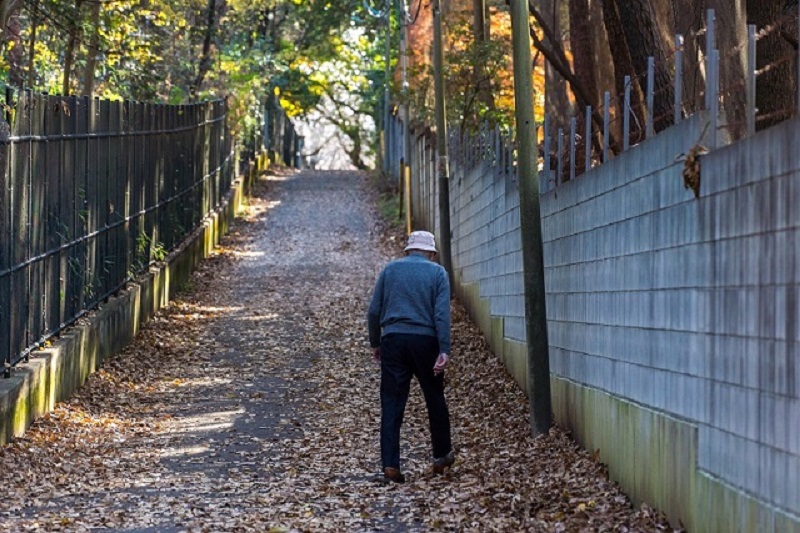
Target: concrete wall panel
673	320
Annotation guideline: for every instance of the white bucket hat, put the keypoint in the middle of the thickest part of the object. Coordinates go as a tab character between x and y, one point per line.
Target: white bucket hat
421	240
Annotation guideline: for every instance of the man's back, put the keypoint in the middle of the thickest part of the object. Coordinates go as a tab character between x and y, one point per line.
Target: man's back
412	296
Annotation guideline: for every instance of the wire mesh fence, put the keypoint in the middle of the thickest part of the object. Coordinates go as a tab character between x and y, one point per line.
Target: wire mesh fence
699	79
728	97
92	193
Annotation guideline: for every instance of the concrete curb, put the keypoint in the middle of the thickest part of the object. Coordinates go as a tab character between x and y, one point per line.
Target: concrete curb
54	374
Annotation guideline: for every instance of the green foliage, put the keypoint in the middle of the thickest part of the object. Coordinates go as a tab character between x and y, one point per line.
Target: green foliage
477	87
389	207
147	249
315	54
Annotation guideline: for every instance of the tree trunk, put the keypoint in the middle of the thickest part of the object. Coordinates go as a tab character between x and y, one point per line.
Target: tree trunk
94	50
32	46
480	27
16	57
480	20
623	64
643	38
556	57
205	58
689	19
556	103
604	62
355	152
69	55
581	41
731	34
775	89
7	9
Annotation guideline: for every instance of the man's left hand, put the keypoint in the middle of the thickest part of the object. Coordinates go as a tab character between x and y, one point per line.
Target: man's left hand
441	362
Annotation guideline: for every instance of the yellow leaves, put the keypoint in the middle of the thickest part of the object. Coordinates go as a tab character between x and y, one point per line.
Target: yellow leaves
291	109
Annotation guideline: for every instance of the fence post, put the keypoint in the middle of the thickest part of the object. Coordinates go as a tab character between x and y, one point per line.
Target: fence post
558	179
7	239
588	140
572	127
714	101
651	69
546	152
606	103
497	136
512	165
709	47
626	115
751	79
678	77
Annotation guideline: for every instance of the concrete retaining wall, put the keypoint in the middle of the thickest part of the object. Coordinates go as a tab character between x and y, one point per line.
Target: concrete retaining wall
673	321
54	374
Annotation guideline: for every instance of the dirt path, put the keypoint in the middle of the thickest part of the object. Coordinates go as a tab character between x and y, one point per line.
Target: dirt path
251	404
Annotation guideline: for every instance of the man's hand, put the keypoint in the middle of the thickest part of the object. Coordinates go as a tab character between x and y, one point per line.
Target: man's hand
441	362
376	354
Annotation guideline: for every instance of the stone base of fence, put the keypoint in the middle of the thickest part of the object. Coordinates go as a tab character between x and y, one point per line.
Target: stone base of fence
54	374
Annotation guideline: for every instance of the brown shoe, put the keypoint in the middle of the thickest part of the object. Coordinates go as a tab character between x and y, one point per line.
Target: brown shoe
443	463
393	474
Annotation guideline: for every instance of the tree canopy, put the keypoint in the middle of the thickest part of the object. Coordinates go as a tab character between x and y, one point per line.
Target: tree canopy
176	51
327	57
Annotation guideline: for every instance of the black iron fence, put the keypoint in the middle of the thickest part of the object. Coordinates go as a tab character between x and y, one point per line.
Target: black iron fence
280	138
92	192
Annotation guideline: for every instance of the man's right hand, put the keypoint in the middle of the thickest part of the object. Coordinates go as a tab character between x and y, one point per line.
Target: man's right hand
376	354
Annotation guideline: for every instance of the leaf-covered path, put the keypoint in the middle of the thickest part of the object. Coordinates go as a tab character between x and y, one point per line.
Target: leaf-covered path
251	404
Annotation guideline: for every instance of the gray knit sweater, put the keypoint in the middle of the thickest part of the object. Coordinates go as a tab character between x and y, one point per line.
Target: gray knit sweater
412	295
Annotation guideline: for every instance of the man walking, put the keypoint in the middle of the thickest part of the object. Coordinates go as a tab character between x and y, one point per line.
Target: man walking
409	332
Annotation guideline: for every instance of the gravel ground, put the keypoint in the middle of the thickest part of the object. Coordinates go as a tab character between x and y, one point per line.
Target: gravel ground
251	404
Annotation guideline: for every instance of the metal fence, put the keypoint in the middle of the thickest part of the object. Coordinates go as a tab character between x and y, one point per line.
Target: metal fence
281	140
92	192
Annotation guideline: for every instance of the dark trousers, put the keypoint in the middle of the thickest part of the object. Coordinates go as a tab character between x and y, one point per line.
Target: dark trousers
401	357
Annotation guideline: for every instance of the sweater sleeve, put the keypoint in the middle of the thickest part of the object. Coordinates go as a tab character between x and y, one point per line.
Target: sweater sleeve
374	314
441	312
